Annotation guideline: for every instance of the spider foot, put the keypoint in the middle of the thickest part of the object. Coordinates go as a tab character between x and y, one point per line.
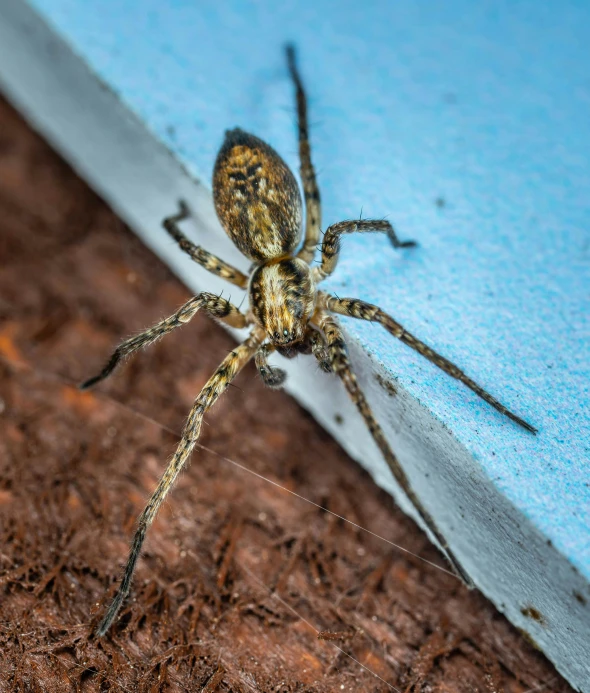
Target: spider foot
396	243
183	213
87	384
184	209
324	364
272	377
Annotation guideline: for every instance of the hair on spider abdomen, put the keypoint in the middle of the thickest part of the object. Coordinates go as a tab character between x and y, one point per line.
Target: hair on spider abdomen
258	203
256	197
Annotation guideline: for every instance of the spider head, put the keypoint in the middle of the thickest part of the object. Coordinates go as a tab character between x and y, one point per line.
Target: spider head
282	300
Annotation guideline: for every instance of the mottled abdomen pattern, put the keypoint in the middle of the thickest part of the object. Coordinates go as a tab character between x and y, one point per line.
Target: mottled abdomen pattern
256	197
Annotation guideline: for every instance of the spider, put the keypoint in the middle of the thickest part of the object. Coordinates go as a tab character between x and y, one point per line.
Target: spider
258	203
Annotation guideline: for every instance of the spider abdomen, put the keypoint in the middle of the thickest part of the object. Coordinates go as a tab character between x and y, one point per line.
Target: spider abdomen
256	197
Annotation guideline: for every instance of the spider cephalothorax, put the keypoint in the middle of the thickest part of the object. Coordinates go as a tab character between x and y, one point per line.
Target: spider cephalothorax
258	203
282	299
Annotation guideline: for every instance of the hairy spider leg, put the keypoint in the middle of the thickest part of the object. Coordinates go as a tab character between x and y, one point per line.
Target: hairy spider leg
313	207
331	243
215	306
341	366
271	376
202	257
319	350
214	387
354	308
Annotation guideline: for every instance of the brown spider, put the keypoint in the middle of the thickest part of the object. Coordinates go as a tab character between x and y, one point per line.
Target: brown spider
259	205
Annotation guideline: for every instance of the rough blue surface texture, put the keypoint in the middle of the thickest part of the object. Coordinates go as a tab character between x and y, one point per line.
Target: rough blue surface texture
483	106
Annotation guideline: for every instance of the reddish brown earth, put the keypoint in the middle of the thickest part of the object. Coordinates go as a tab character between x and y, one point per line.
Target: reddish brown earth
238	576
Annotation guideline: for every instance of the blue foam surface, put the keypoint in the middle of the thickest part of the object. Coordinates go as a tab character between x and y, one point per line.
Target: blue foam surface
484	107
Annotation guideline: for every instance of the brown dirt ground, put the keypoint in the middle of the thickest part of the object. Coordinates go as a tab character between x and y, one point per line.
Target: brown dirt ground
238	576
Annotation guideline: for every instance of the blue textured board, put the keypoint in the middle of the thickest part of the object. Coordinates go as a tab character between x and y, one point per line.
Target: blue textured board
468	126
483	108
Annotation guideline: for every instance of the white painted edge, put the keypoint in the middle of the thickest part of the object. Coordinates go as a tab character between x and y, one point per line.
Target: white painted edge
509	560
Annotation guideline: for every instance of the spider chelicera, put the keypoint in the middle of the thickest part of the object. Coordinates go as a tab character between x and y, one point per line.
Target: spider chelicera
259	205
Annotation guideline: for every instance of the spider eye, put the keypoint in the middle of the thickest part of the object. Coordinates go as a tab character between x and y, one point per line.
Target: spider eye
286	332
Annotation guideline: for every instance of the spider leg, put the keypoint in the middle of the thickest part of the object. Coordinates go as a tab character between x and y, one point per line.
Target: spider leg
355	308
216	306
313	208
331	244
202	257
341	366
319	350
214	387
271	376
